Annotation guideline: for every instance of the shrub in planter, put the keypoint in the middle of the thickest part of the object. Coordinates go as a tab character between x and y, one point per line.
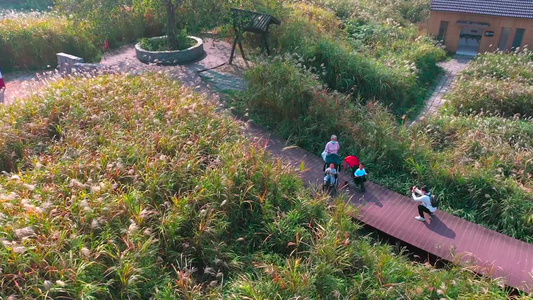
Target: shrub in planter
193	53
162	44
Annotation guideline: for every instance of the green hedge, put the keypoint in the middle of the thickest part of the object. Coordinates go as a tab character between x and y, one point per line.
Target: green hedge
31	41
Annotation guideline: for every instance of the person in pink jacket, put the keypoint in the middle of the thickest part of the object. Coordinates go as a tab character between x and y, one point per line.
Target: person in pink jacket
332	147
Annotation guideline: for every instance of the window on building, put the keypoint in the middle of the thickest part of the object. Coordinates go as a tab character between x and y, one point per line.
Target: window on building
504	38
518	36
442	31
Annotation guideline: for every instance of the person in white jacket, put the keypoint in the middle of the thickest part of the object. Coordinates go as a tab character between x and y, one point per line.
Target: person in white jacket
425	198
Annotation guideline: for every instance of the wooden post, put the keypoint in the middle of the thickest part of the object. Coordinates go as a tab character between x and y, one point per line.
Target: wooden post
242	51
233	50
238	39
265	39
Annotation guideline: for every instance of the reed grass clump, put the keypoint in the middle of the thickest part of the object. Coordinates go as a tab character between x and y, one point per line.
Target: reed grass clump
129	187
498	84
482	166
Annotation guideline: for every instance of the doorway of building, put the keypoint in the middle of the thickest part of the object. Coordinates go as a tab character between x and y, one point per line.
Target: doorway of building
469	41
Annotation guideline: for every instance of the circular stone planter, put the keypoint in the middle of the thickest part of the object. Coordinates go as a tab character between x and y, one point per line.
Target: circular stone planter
190	54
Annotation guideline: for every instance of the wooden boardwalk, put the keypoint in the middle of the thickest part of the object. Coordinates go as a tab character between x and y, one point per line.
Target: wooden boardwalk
444	235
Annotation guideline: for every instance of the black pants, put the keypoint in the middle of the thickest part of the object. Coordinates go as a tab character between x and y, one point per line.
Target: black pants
359	180
422	209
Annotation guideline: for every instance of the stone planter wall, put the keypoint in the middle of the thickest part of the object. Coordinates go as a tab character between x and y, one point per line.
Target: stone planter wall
171	57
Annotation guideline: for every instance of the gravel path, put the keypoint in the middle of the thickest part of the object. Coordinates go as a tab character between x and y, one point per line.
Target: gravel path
217	55
452	69
23	84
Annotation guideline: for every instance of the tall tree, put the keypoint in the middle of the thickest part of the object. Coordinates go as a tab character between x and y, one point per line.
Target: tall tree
171	8
172	22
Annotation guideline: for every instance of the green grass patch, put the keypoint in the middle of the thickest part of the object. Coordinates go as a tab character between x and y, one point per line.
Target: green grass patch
495	84
480	167
368	59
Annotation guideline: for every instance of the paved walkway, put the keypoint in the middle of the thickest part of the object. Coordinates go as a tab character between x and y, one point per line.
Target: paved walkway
449	237
452	69
22	84
444	235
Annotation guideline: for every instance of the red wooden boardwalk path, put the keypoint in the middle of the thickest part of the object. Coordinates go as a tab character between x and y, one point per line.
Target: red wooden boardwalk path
444	235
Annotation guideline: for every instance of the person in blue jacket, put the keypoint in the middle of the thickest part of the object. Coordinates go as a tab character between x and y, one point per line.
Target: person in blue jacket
360	176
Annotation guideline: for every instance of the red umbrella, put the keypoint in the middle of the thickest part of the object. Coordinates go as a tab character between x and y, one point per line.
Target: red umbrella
352	161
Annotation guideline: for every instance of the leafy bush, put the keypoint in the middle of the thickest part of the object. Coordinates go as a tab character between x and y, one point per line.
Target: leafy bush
496	84
420	53
31	40
135	187
403	11
480	166
323	20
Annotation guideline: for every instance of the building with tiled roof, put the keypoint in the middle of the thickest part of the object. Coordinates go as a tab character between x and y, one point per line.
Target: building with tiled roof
475	26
